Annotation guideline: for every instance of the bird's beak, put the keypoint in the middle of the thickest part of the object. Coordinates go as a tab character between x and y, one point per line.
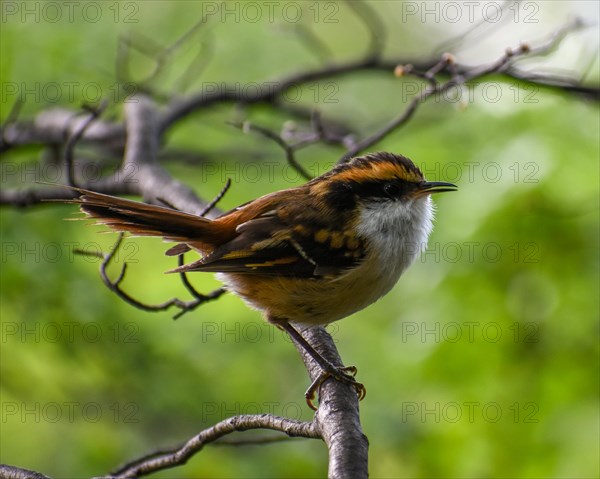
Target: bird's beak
429	187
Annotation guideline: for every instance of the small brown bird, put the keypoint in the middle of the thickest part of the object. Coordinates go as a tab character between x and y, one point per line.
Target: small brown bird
309	255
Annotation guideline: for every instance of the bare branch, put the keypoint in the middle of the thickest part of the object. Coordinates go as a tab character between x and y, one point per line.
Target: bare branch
149	48
181	455
476	30
211	206
196	67
12	472
375	27
74	138
257	441
459	76
141	172
29	196
201	298
289	151
565	84
115	286
312	42
55	125
337	417
13	114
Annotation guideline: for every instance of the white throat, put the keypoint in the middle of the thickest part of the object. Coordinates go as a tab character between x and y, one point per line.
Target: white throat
397	232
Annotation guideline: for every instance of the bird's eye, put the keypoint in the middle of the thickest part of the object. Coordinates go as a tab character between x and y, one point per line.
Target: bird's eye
392	190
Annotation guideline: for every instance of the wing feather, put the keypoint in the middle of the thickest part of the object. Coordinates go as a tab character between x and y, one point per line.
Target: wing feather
269	245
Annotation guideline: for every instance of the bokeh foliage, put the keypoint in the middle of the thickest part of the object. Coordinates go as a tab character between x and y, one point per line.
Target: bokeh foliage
482	362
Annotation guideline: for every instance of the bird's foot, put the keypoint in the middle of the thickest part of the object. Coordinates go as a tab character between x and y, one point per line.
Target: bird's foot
343	374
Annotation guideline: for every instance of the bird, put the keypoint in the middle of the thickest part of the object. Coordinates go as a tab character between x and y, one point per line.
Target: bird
303	256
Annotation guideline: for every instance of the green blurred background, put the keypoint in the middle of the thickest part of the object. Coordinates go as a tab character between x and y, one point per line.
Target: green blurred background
482	362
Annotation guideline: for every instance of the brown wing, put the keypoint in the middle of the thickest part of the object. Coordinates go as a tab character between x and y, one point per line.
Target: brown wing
285	242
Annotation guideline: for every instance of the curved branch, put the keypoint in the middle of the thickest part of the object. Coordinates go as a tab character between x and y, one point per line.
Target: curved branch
115	286
180	455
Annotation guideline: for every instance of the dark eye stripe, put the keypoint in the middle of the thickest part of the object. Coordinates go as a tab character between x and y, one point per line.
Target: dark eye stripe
344	195
383	190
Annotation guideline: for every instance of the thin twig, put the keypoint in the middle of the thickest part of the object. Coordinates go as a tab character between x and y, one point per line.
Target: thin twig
196	67
375	27
217	198
475	30
74	138
312	41
289	151
13	114
115	286
150	48
181	259
459	76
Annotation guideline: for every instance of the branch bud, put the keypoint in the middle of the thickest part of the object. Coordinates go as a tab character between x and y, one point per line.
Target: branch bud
402	70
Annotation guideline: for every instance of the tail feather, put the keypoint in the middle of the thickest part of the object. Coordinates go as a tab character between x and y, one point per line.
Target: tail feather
148	220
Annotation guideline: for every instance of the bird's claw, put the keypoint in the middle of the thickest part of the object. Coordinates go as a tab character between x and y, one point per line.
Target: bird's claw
344	375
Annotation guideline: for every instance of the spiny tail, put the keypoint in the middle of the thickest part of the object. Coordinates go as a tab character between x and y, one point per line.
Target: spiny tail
148	220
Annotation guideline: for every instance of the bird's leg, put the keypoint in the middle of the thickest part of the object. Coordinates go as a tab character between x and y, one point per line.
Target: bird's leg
328	369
